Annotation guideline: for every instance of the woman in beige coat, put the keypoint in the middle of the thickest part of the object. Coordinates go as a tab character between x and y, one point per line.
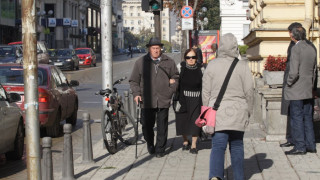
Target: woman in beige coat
235	108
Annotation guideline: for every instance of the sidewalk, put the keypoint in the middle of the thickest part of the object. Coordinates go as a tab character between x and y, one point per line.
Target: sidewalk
263	160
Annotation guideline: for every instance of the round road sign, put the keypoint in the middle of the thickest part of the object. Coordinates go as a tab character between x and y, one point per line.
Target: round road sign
186	12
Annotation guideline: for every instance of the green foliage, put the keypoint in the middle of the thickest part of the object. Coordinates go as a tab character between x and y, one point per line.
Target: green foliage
167	46
213	14
243	49
130	38
144	37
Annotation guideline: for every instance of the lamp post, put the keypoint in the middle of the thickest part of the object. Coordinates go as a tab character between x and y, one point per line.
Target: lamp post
46	15
201	20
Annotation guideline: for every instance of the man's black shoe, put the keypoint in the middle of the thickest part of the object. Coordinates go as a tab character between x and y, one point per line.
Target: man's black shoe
312	150
295	152
287	144
151	149
160	155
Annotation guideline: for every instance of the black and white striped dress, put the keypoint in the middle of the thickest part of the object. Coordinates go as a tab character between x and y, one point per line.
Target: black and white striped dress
190	89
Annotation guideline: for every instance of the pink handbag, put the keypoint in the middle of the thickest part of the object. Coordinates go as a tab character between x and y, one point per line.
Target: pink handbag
207	119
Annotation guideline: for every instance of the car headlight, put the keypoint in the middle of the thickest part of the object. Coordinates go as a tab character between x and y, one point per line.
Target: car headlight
68	60
88	57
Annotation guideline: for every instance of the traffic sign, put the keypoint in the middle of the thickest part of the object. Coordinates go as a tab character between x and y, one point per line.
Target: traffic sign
187	23
186	12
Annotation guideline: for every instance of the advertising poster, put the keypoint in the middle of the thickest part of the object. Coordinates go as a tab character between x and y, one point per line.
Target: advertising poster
205	39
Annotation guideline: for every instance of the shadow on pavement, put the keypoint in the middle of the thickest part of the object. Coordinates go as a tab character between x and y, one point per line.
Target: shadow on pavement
253	161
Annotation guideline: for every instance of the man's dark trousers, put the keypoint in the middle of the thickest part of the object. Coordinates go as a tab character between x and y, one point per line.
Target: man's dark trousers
149	117
302	124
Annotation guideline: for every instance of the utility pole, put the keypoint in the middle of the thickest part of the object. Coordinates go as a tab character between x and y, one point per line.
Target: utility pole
157	25
30	75
106	45
187	3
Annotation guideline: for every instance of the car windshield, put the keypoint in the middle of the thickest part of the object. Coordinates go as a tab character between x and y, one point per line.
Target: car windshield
63	52
14	75
7	51
83	51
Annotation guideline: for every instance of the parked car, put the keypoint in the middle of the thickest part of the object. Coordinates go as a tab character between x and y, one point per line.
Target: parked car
87	56
42	51
11	125
57	99
66	59
10	54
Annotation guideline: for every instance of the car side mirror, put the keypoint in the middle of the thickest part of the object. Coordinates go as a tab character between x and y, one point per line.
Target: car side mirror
14	97
74	83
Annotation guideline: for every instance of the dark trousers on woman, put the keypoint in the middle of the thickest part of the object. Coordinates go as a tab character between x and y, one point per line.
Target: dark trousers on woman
149	117
301	112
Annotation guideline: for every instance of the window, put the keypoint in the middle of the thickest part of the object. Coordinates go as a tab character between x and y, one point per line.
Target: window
125	21
131	14
139	7
139	22
131	8
246	30
138	14
124	14
164	28
164	21
163	14
132	28
132	22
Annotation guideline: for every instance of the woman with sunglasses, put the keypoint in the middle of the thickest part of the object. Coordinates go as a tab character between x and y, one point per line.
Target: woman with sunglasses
190	82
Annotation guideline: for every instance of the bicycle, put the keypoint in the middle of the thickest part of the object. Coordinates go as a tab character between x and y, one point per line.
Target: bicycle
114	121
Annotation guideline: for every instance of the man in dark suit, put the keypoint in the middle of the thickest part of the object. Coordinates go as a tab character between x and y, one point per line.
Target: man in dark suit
285	103
299	91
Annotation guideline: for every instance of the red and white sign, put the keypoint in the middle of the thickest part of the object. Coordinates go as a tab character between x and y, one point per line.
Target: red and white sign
187	12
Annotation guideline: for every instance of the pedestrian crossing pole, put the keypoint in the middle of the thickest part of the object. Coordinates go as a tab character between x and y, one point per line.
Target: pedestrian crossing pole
106	45
30	75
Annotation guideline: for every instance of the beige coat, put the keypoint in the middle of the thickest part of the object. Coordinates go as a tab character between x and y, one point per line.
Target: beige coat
237	102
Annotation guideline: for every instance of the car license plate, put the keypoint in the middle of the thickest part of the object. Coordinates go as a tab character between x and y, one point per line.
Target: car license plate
81	62
58	64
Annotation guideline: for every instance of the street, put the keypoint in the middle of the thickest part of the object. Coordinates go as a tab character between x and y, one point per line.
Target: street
90	82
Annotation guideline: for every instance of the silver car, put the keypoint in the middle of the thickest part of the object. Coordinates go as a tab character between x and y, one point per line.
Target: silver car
11	125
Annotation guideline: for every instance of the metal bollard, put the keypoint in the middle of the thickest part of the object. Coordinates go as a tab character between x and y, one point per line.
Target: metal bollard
67	166
126	101
47	167
87	155
133	105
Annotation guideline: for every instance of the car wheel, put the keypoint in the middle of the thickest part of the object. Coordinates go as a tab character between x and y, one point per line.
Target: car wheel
17	153
95	64
77	67
73	118
54	130
72	67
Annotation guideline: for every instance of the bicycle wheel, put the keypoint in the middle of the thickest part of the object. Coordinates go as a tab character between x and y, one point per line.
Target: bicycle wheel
109	133
129	134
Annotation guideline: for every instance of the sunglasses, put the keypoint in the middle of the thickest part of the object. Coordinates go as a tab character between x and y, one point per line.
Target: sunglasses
191	57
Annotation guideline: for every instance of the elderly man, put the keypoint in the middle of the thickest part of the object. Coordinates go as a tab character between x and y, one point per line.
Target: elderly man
153	81
299	90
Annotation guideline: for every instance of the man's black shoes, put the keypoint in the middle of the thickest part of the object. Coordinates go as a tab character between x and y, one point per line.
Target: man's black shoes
287	144
311	150
295	152
160	155
151	149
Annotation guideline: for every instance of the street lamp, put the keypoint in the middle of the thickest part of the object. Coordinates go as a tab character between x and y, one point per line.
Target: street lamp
201	20
46	16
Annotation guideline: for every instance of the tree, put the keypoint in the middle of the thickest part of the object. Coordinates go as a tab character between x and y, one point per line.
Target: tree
130	38
144	37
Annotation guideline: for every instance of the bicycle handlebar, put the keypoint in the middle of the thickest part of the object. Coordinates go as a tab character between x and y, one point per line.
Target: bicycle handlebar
109	91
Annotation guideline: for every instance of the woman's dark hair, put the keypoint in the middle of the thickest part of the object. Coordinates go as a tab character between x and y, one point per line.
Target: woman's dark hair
187	51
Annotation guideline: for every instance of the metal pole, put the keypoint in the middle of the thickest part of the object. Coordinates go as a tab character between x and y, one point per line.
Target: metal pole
67	165
106	45
47	167
187	30
157	25
30	74
87	154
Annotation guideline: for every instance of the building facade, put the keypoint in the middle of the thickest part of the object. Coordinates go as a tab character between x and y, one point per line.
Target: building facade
269	28
234	19
134	19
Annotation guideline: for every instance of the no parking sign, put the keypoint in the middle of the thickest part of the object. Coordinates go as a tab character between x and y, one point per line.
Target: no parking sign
186	12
